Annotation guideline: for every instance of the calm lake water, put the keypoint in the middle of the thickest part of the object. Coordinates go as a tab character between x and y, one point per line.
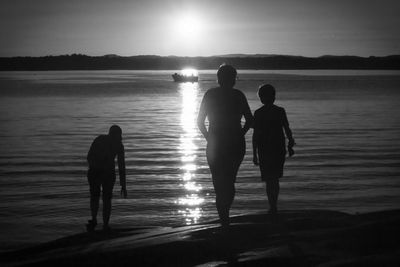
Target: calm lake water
346	125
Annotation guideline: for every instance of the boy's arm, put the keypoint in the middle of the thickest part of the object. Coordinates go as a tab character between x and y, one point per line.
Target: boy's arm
91	155
255	145
255	140
288	133
121	169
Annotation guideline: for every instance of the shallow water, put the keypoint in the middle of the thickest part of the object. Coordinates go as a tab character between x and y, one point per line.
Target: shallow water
346	126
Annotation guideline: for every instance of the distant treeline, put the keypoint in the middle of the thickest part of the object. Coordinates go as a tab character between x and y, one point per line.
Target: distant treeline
113	62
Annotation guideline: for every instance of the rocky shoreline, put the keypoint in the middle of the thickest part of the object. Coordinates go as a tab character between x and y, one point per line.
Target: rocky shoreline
291	238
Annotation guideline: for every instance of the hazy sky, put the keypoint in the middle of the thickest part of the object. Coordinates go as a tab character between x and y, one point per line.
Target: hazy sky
199	28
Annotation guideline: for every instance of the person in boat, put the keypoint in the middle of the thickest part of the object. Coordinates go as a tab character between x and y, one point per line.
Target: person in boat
224	106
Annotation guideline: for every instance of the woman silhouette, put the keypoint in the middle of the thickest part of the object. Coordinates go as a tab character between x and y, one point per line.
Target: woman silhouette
224	107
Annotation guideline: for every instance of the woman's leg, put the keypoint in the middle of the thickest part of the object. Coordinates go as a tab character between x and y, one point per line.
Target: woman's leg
224	159
224	193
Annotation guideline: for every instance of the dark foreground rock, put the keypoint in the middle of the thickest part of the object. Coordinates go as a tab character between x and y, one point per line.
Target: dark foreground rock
292	238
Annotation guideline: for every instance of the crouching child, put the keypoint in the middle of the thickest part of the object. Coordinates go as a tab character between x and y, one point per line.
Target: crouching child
101	173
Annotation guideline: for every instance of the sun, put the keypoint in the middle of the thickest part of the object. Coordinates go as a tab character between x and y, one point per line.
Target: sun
188	27
185	32
188	24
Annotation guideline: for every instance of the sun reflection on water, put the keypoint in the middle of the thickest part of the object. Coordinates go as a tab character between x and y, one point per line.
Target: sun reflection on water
190	204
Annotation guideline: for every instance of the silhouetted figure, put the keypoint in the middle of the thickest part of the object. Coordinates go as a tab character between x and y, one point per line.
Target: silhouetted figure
269	149
101	173
224	107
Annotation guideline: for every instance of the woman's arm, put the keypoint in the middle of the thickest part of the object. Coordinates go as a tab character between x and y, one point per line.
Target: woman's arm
201	118
247	115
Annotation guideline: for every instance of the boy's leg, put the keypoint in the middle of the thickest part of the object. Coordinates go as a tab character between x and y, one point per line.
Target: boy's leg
106	211
94	187
94	207
272	188
108	186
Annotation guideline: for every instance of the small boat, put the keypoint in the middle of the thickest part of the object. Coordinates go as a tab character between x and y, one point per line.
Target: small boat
185	78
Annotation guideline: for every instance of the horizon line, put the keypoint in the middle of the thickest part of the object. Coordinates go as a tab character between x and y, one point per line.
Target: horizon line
221	55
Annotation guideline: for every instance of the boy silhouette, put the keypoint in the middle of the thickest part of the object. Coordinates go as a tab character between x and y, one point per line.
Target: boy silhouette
269	149
101	173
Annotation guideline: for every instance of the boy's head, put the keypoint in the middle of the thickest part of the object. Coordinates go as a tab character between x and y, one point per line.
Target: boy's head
226	75
116	133
266	93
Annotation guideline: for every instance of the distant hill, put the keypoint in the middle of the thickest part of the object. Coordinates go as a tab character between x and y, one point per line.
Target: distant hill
153	62
249	55
111	55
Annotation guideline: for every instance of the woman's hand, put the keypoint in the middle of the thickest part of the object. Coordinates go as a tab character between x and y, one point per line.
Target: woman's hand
205	134
255	160
291	151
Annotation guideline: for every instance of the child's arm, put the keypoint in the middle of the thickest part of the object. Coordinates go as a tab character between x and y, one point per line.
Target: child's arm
255	141
288	133
90	156
93	157
121	169
255	145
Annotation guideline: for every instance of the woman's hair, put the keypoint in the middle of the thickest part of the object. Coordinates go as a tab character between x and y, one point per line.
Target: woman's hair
226	75
266	93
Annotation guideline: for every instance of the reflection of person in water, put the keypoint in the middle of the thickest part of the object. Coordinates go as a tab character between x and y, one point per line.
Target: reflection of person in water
269	149
224	107
101	173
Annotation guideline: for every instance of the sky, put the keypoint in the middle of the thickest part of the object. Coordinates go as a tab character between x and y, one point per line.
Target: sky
199	28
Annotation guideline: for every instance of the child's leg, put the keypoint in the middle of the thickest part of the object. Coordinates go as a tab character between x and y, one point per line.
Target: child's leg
108	186
272	188
106	211
94	186
94	207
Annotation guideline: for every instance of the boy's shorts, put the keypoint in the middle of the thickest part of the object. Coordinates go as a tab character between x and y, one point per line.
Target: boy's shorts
101	179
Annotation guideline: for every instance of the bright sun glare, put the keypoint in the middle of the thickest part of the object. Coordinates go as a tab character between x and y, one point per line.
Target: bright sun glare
188	27
188	24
